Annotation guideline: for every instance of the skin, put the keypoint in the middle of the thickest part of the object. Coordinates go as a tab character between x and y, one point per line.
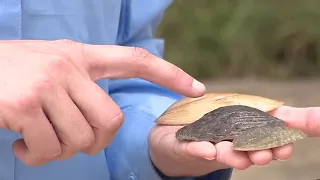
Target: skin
175	158
49	95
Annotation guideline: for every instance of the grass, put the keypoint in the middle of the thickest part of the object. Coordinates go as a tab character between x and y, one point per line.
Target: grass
220	38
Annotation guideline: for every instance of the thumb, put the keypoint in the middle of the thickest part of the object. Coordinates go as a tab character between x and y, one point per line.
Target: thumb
307	119
108	61
203	149
187	150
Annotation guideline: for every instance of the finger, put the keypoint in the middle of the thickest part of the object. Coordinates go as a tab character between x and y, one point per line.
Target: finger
203	149
183	150
261	158
74	132
306	119
110	61
235	159
40	143
101	112
129	62
283	153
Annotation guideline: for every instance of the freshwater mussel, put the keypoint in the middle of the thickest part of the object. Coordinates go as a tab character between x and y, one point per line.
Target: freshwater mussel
240	118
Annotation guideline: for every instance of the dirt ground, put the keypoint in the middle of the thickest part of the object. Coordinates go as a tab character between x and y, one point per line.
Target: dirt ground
305	162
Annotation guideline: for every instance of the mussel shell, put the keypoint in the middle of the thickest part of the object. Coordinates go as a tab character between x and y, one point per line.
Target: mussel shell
189	110
266	137
226	123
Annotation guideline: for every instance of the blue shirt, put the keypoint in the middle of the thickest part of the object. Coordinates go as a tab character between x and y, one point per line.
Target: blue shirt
121	22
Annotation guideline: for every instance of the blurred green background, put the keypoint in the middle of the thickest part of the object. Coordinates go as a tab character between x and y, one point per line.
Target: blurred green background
231	38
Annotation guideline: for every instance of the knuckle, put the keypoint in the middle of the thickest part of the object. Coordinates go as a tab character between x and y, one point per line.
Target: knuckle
84	141
27	103
44	83
70	45
140	53
142	59
58	63
30	100
66	42
78	50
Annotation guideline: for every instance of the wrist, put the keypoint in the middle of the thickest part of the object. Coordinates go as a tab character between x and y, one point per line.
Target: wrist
165	166
172	166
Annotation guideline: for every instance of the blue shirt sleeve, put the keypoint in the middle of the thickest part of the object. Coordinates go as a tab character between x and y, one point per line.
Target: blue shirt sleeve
141	101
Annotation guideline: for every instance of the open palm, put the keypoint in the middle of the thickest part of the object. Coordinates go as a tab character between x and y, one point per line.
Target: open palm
199	158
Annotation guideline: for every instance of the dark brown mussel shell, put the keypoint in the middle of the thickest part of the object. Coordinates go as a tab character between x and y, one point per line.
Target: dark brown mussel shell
266	137
226	123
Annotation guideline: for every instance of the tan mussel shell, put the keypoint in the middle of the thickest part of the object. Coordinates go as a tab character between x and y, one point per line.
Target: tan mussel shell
188	110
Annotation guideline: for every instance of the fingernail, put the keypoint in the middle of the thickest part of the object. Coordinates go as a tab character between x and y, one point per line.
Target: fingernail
210	158
279	159
198	85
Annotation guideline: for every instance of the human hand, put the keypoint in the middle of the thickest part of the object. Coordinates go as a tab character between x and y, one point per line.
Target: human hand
177	158
48	94
306	119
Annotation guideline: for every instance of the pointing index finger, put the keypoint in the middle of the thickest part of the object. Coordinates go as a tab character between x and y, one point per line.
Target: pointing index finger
105	61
